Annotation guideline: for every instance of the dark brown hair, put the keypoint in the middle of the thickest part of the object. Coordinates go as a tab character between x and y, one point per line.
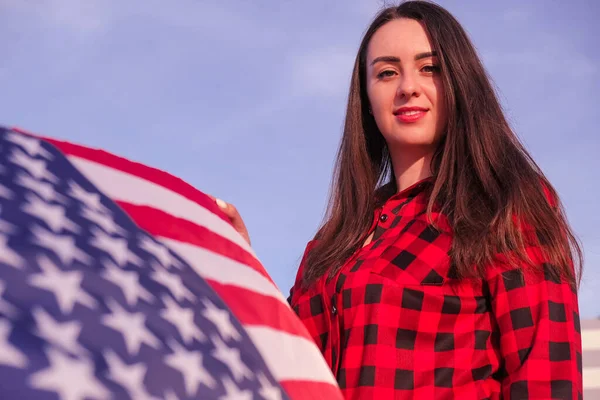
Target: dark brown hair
486	183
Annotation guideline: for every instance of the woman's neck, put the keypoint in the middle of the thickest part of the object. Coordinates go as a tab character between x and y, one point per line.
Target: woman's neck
411	168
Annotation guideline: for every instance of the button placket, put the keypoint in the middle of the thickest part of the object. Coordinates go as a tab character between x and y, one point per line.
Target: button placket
335	322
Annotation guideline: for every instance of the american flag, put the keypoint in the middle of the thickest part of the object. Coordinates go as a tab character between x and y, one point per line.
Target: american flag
118	280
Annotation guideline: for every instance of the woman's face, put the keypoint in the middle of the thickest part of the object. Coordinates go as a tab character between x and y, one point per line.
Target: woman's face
404	86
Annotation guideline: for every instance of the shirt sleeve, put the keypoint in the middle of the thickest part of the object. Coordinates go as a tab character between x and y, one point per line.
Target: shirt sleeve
300	271
540	334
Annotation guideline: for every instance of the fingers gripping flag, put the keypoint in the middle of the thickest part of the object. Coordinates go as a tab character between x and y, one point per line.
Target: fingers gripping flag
121	281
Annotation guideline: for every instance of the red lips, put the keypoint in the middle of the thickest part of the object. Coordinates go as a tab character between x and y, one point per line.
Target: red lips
410	114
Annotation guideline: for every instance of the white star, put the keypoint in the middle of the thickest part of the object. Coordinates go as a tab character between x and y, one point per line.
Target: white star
54	215
7	255
105	221
36	168
182	319
267	390
231	357
128	282
61	334
63	245
65	285
5	192
43	189
70	378
158	250
221	319
90	200
5	308
170	395
32	145
131	326
131	377
233	393
9	354
189	364
173	283
115	247
5	226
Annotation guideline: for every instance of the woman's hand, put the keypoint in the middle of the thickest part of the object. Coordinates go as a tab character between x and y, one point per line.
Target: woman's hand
234	217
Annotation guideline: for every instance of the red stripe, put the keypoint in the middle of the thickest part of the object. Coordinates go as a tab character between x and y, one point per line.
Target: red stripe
309	390
160	223
150	174
252	308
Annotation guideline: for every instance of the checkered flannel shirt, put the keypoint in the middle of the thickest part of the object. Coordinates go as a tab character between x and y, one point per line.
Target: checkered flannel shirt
394	324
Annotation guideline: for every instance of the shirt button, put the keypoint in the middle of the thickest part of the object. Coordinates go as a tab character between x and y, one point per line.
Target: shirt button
333	309
383	217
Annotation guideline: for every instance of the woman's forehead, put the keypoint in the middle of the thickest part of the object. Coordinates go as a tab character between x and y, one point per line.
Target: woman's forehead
400	38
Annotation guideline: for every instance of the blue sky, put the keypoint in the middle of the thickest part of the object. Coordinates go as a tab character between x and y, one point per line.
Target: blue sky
245	100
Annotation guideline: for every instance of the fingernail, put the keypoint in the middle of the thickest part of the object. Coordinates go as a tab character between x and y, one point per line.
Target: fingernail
221	203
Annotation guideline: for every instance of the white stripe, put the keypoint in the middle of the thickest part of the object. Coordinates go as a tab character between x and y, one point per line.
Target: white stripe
290	357
122	186
590	339
213	266
591	378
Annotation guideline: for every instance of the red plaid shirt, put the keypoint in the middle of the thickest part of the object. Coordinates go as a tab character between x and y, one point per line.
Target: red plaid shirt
394	324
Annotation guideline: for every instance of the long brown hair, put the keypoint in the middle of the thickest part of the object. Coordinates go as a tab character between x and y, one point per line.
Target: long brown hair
486	183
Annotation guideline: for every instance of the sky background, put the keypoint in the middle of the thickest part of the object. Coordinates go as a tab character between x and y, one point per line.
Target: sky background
245	99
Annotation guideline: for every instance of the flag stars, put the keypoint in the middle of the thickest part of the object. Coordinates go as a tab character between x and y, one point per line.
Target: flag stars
5	192
6	308
65	285
189	364
8	255
10	355
221	319
267	390
173	283
182	319
131	326
231	358
105	221
158	250
62	245
232	392
53	215
36	168
5	227
63	335
128	282
71	378
44	190
131	377
31	145
117	248
89	200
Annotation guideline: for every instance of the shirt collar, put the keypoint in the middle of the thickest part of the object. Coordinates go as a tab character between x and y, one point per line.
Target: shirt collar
414	189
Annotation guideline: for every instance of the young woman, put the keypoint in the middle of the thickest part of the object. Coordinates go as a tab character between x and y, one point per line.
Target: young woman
445	267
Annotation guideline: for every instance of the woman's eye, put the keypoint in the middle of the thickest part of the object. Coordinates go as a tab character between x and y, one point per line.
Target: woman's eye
386	74
431	69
